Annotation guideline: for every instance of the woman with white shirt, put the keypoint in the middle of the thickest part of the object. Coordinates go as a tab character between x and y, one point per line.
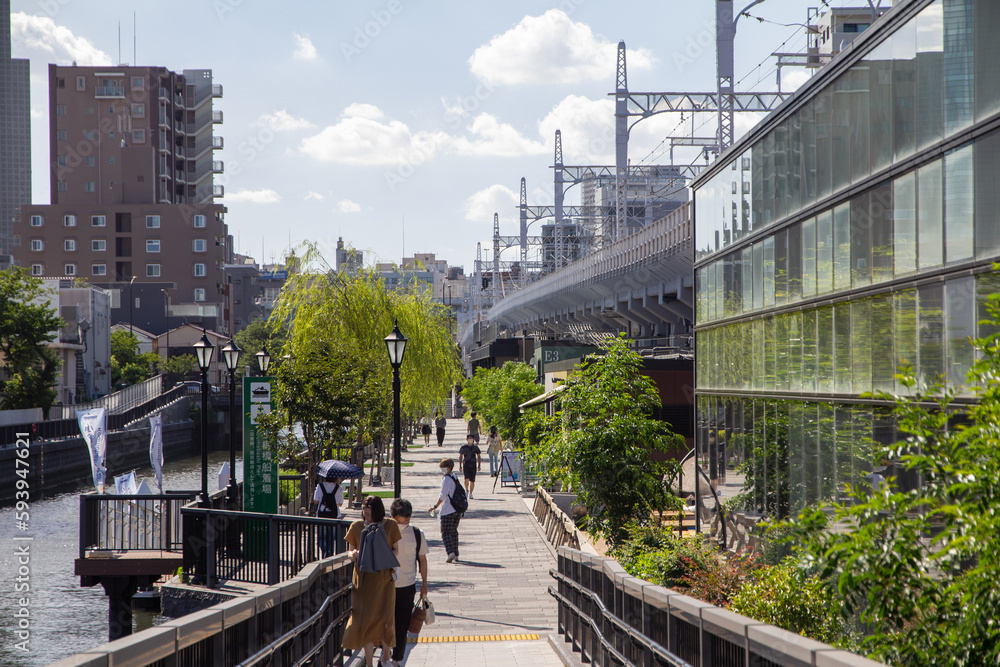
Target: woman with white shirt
327	500
412	557
449	517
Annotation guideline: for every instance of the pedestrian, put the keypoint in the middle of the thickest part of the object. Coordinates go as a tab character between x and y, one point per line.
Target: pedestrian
327	501
470	460
449	517
374	543
412	550
494	445
440	423
474	427
425	430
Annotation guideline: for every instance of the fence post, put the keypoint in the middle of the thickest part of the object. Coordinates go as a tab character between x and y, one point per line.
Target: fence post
273	557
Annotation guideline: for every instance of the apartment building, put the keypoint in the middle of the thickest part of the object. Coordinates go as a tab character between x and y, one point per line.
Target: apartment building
15	138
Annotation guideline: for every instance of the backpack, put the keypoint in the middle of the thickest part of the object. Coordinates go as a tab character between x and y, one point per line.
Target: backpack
329	501
418	536
458	499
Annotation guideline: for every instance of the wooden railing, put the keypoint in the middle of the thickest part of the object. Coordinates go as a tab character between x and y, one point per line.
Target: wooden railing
559	529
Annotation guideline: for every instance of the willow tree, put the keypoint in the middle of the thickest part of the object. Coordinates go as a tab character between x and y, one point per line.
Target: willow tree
334	378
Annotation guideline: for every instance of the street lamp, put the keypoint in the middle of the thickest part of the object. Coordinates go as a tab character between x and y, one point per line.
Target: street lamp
263	360
231	354
204	349
396	343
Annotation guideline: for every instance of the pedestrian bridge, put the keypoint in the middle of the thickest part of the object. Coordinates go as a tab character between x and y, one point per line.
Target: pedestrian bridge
514	598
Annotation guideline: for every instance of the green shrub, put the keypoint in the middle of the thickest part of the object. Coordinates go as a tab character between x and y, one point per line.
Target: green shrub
719	579
782	596
663	557
288	488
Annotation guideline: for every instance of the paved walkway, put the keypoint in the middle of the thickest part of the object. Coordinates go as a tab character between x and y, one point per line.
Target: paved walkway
500	584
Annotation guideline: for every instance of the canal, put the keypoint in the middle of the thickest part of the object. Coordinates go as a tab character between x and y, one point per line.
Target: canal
65	618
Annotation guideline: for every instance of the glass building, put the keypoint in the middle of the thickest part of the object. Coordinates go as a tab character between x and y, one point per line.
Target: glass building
852	231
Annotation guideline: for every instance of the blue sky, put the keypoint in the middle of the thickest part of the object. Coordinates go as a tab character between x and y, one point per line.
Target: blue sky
403	125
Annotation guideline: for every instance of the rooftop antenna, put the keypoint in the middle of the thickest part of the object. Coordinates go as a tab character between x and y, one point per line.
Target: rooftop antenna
119	42
135	60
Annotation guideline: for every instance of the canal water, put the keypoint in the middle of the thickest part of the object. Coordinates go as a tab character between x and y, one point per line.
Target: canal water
65	618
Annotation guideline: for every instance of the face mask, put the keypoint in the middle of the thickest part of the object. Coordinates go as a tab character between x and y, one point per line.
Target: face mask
444	471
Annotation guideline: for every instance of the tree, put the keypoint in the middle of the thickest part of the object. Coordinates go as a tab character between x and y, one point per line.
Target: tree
496	393
919	566
128	366
255	336
602	443
27	325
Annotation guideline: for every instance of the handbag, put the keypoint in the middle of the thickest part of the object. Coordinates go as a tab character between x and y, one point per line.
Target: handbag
423	612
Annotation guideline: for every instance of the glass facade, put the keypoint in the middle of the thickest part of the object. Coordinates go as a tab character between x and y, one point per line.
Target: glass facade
856	234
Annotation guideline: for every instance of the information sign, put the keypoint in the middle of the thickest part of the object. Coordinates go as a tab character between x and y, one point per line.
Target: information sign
260	456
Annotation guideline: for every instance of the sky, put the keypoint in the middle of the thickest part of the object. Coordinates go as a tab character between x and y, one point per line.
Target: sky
403	126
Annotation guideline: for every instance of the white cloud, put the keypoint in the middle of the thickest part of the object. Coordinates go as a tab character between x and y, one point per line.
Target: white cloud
57	43
551	48
282	121
348	206
314	195
304	49
481	206
262	196
496	139
360	137
588	129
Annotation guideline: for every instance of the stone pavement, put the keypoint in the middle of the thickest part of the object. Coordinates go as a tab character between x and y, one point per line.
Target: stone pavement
499	585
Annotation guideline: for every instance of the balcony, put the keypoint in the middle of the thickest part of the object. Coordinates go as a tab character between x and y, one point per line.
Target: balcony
218	167
216	90
179	175
164	94
216	116
179	151
179	127
105	92
217	142
218	190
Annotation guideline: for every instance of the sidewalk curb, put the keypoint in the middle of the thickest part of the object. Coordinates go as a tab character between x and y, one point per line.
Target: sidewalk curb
564	651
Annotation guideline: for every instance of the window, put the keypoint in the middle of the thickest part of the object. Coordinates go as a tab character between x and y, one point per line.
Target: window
89	161
138	83
152	270
139	137
37	221
111	135
81	83
37	245
61	186
89	135
99	269
152	245
60	109
199	270
88	186
855	27
69	245
88	111
199	294
199	221
61	160
36	269
199	245
98	221
60	135
61	83
69	221
139	110
69	269
152	222
111	160
98	245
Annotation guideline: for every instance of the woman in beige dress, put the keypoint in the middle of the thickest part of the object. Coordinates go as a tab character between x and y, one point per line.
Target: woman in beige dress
374	596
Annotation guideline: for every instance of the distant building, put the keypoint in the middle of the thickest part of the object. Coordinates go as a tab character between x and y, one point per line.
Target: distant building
246	293
348	259
132	191
15	138
84	341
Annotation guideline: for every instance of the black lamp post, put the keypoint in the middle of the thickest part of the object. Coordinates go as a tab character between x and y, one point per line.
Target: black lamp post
204	349
396	343
263	360
231	353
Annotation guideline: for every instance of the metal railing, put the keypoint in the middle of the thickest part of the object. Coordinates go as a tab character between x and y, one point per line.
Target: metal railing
293	487
116	402
253	547
298	622
119	523
559	529
613	618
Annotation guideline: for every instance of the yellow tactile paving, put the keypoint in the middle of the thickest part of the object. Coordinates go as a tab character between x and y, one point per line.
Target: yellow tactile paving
471	638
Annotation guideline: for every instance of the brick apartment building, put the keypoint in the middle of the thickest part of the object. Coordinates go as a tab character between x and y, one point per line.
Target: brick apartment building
133	197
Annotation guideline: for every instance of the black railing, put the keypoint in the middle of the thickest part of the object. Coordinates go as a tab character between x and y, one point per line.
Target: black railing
612	618
253	547
119	523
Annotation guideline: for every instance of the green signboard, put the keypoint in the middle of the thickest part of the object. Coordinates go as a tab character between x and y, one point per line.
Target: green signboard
260	456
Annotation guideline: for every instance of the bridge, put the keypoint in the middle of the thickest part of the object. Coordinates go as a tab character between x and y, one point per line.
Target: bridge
526	590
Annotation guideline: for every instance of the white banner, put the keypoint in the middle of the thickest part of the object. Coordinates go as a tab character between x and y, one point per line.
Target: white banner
156	448
125	485
93	427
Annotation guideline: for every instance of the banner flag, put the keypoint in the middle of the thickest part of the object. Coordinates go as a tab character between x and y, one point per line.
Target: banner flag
93	427
156	448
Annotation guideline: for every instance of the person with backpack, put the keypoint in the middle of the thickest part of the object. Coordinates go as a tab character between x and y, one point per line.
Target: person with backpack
453	503
373	545
412	550
327	501
470	460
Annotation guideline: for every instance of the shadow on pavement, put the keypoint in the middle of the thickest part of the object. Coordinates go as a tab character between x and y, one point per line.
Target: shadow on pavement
483	620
